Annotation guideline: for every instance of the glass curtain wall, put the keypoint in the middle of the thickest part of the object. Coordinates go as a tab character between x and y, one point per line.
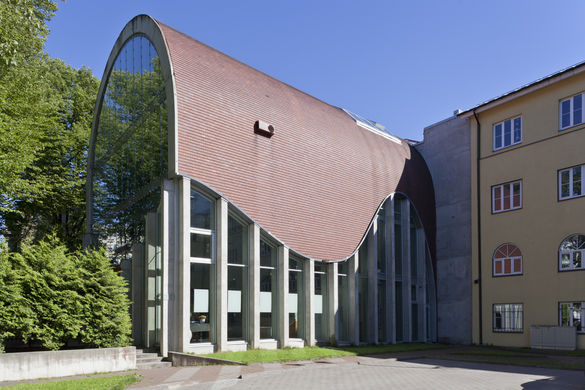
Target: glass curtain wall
320	302
381	263
130	149
363	291
295	299
268	291
343	301
416	321
398	269
237	280
202	319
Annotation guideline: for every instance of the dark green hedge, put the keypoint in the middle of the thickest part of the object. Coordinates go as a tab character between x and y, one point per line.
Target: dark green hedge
51	296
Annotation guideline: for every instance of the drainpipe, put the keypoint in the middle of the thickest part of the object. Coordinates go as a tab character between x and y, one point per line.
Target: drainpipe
478	280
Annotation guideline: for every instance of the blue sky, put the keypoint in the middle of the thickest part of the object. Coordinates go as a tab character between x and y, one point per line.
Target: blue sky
406	64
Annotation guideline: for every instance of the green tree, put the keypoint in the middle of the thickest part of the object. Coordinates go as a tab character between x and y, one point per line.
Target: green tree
46	108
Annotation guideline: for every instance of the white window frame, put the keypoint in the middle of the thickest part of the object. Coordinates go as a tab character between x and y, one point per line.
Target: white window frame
501	186
502	124
571	112
570	170
571	316
512	260
513	328
571	253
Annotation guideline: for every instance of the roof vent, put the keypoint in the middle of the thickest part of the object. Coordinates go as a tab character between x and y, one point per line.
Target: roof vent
457	112
264	129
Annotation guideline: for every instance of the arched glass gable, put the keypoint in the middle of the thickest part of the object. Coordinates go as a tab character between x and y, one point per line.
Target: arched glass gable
130	147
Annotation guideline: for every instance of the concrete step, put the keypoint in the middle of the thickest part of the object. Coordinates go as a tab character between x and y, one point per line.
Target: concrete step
144	366
148	360
146	355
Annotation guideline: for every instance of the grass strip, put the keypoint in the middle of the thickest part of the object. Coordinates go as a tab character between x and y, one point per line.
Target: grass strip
118	382
279	355
312	353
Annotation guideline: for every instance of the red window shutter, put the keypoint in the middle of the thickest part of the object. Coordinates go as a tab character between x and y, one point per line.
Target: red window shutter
507	266
498	266
518	265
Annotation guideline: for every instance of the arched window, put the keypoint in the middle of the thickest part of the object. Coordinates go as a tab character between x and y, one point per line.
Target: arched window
572	252
507	260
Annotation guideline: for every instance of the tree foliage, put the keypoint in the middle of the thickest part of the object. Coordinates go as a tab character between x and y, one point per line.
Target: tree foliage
46	108
50	295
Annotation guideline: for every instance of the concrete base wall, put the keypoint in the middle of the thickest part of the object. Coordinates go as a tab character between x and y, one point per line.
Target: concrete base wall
51	364
446	150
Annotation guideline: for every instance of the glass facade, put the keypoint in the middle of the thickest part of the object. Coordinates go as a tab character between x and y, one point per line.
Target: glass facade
268	291
130	148
295	299
320	302
237	280
363	291
200	308
342	314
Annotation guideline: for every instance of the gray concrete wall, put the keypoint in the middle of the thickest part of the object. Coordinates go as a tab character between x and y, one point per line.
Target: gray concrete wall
446	150
51	364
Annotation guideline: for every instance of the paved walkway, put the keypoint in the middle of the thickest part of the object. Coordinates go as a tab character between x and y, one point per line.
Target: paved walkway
363	373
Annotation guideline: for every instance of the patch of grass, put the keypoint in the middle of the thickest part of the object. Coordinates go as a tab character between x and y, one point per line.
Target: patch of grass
515	362
100	383
391	348
577	353
494	352
311	353
279	355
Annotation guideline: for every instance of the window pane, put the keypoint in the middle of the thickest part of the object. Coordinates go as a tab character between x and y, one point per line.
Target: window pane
577	109
381	240
577	181
363	258
577	320
565	317
566	113
267	255
565	182
498	136
577	259
267	303
201	245
507	266
506	197
320	303
200	211
565	260
236	301
517	265
295	297
397	239
498	266
507	133
200	321
517	130
516	189
237	239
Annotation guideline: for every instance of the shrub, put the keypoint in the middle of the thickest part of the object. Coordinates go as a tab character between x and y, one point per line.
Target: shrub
51	296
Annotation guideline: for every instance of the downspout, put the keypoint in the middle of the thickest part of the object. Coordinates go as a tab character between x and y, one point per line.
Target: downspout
478	280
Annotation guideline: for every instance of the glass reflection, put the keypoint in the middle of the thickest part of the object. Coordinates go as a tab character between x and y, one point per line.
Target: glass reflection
130	148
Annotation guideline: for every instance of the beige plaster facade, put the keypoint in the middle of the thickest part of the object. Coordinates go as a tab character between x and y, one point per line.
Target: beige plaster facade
541	222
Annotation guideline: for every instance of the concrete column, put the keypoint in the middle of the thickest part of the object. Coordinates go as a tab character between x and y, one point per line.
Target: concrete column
406	275
152	247
282	272
183	268
309	296
254	285
138	289
372	310
354	321
168	197
390	274
332	316
170	265
221	273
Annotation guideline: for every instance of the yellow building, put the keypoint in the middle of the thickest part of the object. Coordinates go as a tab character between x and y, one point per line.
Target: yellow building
527	154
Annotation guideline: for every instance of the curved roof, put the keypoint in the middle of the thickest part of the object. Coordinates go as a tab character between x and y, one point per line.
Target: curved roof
316	183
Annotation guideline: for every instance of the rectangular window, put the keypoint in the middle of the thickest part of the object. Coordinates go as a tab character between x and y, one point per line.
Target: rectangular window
570	182
507	196
320	303
572	314
508	317
237	280
268	289
507	133
571	112
295	299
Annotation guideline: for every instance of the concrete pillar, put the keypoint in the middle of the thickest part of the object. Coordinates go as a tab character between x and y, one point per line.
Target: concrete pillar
168	232
254	290
354	321
183	266
332	316
372	310
282	272
221	273
138	283
170	265
309	297
406	276
151	248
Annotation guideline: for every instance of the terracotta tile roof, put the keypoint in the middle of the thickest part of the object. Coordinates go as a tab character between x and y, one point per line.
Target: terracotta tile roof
316	183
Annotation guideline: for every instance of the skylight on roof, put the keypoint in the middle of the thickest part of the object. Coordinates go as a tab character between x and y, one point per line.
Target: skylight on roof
372	126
